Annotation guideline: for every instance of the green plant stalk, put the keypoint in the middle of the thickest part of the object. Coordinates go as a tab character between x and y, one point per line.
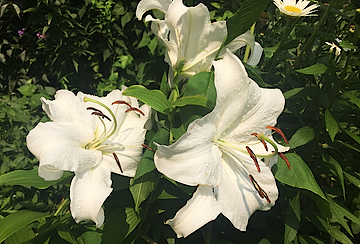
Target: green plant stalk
288	29
312	36
61	207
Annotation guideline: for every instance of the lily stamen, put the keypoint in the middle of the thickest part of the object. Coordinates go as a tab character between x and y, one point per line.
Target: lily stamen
100	114
253	156
285	159
135	109
260	191
117	162
279	132
148	148
122	102
262	141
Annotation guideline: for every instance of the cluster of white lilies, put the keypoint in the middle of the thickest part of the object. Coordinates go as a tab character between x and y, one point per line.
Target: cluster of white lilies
227	153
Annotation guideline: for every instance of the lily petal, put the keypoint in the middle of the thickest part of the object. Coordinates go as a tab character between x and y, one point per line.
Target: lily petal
146	5
255	55
242	105
88	191
238	194
60	146
67	108
193	159
199	210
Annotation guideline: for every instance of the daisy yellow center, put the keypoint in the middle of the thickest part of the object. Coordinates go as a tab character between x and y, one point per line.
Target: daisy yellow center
292	9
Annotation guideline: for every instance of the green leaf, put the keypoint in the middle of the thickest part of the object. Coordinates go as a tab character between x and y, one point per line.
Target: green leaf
20	236
119	224
27	90
141	188
335	232
353	98
244	18
146	164
353	136
352	179
154	98
315	69
18	220
292	220
30	178
301	137
300	176
331	124
338	170
292	92
191	100
340	213
202	84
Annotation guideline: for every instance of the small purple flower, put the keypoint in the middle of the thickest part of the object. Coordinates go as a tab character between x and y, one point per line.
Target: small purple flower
21	32
40	36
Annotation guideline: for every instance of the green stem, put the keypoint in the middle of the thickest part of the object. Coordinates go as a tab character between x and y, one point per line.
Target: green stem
310	41
288	28
61	207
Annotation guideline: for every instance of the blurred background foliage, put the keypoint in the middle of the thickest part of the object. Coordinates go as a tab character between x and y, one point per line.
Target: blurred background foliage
96	46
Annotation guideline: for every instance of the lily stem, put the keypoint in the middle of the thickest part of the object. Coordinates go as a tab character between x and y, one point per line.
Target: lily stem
288	28
310	41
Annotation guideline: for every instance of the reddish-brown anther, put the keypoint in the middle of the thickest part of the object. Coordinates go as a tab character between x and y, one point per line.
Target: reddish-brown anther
253	156
135	109
121	102
260	191
285	159
118	162
262	141
148	148
278	131
101	115
94	109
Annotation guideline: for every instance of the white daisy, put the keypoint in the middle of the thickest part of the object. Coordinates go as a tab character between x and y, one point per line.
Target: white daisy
293	9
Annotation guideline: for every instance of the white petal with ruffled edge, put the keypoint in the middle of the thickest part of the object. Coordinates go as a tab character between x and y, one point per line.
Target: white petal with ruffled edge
199	210
88	191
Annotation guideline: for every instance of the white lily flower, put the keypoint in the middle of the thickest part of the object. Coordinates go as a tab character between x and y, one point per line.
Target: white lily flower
192	41
223	153
296	9
92	137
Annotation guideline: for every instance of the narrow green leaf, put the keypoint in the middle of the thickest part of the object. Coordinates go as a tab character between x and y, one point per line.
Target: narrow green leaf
331	124
154	98
338	170
352	179
340	213
301	137
141	188
292	92
18	220
335	232
353	98
353	136
191	100
292	220
244	18
300	176
315	69
30	178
